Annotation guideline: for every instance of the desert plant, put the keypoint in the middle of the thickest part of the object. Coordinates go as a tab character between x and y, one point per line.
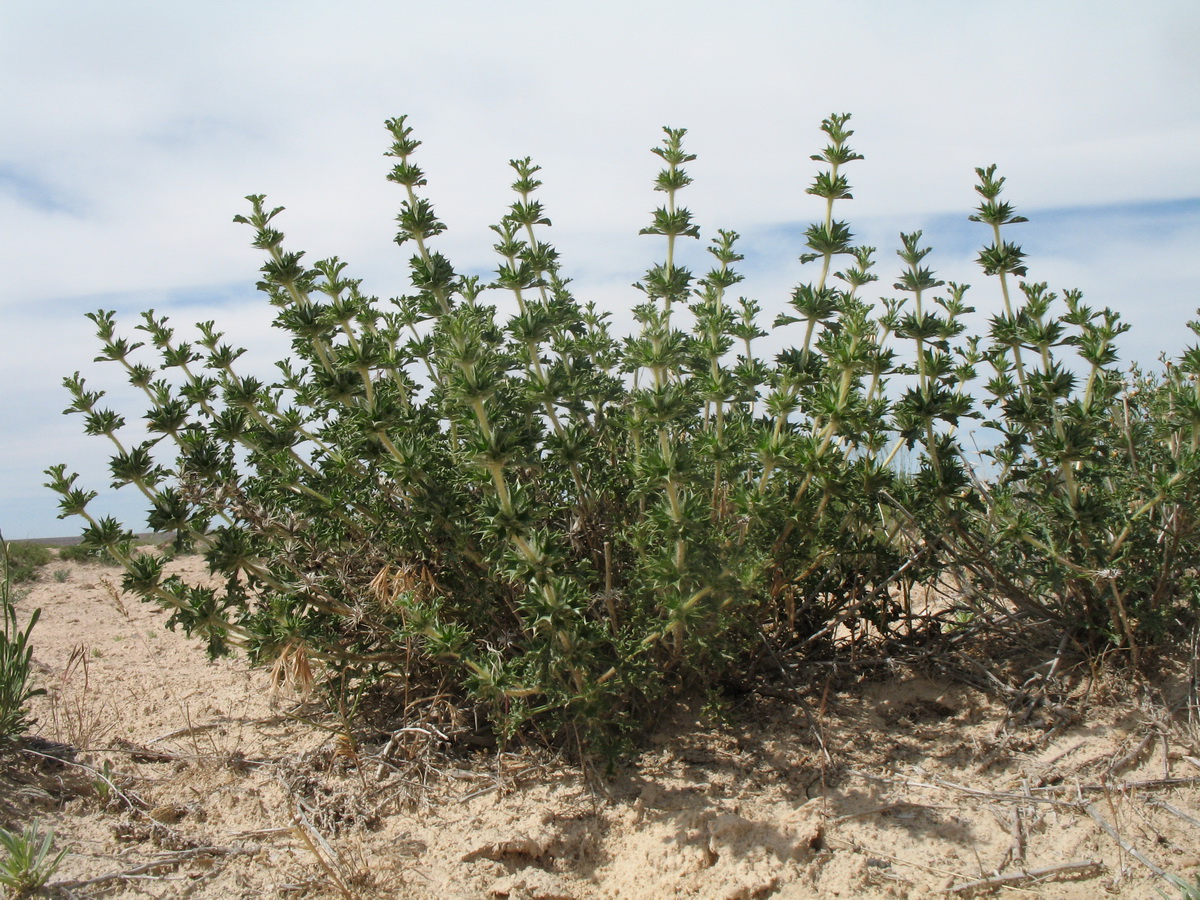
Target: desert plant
16	655
103	784
30	860
568	525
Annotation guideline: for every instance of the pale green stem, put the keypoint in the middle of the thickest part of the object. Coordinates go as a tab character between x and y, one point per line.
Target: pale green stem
923	381
1022	380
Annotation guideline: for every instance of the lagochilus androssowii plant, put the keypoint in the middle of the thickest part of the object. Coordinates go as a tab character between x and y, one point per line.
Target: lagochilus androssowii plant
476	486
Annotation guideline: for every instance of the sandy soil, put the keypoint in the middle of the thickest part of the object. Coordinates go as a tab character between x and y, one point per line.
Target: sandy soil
188	778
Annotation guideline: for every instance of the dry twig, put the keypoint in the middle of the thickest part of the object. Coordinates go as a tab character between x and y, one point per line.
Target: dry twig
1134	756
1008	879
160	862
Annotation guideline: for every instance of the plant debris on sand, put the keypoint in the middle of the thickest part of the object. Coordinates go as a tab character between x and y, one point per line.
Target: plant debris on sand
164	774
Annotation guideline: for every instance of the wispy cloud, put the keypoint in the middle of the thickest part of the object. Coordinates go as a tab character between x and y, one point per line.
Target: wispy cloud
30	191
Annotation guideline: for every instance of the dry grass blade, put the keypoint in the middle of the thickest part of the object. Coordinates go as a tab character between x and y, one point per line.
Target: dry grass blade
79	716
1175	810
1133	851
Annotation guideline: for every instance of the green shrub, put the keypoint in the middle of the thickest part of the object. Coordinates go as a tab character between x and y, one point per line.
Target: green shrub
15	656
568	525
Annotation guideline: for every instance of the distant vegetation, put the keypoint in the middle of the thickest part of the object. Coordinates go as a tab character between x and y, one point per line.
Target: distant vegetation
25	560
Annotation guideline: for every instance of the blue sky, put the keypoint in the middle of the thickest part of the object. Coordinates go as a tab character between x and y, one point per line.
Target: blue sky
132	131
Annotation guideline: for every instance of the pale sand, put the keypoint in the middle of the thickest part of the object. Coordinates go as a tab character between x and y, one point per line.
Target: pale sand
870	796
